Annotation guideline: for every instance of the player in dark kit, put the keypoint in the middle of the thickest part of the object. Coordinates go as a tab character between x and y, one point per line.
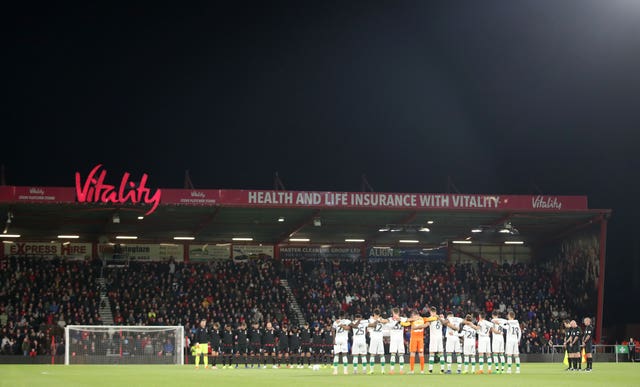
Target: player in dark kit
269	345
228	340
317	341
587	342
329	341
242	345
283	346
215	343
305	344
255	344
295	357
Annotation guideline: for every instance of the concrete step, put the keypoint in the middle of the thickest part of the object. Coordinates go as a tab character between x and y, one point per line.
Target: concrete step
105	305
299	316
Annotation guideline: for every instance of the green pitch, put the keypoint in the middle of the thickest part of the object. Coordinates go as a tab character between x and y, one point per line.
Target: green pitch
534	374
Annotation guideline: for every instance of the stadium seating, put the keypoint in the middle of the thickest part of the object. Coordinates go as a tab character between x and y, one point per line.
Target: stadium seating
39	296
148	294
535	293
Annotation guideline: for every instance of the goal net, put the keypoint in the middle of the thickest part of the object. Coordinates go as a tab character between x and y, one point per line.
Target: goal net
124	344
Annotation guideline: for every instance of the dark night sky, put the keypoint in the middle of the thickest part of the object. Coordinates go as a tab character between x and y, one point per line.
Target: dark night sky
512	97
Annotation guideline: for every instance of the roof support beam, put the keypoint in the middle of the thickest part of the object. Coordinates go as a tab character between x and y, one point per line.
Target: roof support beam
603	256
206	221
297	227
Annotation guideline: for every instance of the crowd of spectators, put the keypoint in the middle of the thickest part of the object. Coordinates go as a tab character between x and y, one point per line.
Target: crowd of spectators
175	293
536	293
38	297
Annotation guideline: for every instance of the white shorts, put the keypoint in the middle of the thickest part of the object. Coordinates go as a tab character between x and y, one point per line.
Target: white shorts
469	348
396	345
498	344
341	347
484	345
359	348
436	346
453	344
376	347
511	348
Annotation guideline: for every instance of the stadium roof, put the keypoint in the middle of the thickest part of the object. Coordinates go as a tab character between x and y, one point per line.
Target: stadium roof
97	211
321	224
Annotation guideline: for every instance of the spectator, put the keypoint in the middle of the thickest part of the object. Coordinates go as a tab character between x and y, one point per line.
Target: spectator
26	346
61	322
168	348
58	292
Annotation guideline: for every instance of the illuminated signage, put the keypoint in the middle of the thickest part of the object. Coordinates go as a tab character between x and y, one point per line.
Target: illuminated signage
94	190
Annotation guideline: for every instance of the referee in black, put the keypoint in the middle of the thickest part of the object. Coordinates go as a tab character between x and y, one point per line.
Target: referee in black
587	342
567	343
576	336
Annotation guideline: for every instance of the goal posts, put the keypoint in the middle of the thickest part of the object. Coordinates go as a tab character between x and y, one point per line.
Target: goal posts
123	344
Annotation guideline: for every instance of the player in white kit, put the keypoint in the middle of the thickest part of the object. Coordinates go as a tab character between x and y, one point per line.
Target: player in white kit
359	344
469	332
341	343
497	344
453	341
436	345
512	326
376	345
484	342
396	340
